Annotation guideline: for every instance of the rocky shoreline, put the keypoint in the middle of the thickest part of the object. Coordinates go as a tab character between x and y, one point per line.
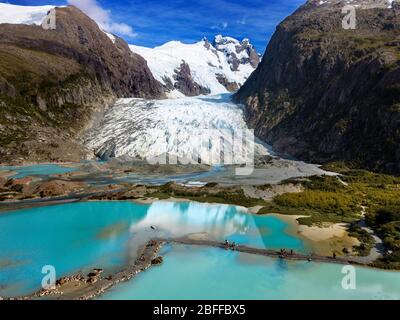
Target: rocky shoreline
81	287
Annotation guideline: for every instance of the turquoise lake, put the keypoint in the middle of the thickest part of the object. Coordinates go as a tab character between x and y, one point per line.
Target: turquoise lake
189	273
48	170
81	236
37	170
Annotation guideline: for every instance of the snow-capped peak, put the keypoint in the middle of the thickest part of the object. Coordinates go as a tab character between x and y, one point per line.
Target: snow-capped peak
203	67
237	52
185	69
31	15
220	39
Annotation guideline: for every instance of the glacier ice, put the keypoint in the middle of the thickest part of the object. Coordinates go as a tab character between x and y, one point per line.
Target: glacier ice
196	128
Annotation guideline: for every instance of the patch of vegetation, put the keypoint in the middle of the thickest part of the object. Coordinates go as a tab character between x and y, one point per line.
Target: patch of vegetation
337	166
324	183
233	197
386	221
368	177
320	206
294	181
324	199
366	240
43	90
341	199
389	261
264	187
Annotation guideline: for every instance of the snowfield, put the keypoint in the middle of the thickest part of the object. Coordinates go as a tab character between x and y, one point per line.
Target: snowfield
205	60
32	15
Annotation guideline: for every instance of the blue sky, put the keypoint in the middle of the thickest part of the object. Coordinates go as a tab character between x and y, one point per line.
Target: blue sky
154	22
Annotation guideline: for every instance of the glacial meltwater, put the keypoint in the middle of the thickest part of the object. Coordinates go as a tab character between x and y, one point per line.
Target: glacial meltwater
209	273
81	236
19	172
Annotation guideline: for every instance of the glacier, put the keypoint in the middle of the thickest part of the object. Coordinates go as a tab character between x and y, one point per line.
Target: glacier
189	128
150	129
202	129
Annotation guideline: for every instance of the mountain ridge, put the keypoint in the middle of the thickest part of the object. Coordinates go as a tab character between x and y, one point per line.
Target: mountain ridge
52	81
203	67
306	98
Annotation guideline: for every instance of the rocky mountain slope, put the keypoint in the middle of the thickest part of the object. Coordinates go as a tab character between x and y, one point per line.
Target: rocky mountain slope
52	81
323	93
203	67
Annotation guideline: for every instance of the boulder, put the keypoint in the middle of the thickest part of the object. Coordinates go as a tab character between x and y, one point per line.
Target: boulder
157	261
152	243
94	276
185	83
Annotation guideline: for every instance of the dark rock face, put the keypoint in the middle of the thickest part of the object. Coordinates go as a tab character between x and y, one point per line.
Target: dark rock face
230	86
185	83
208	46
322	93
107	152
51	81
254	58
222	44
168	83
157	261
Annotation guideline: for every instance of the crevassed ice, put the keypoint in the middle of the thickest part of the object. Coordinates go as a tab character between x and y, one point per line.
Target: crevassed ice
189	128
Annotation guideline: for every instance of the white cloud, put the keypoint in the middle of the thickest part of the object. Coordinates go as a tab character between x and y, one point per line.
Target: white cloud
242	21
221	26
103	17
